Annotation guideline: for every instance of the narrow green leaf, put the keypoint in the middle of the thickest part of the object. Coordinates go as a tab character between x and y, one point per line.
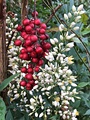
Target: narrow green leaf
87	112
83	84
9	116
86	31
5	83
2	109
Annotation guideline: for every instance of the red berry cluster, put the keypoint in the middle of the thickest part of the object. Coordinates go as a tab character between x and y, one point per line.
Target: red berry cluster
34	44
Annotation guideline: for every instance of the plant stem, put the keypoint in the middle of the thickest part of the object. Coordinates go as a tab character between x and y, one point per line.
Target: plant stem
81	58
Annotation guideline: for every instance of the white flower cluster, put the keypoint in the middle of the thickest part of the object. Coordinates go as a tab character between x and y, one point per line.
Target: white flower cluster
72	19
55	87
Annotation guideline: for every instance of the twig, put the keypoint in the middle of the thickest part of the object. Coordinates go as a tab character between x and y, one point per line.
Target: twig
53	13
81	59
10	41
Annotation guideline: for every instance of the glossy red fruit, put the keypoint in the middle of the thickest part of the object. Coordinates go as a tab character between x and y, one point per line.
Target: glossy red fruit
28	43
31	25
36	69
41	62
24	70
35	13
47	46
37	22
25	56
29	49
35	60
23	34
39	50
43	37
43	25
33	54
28	86
30	70
23	51
29	76
28	28
23	83
42	31
19	28
32	82
34	38
17	42
26	22
21	56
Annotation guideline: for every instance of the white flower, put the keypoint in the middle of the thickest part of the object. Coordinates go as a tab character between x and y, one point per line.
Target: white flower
72	24
55	103
52	41
70	45
73	8
65	16
56	40
32	100
80	7
76	28
36	114
41	114
61	37
69	15
77	19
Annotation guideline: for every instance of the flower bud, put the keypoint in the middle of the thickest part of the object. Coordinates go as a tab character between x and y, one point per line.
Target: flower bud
80	7
65	17
52	41
70	45
76	28
73	8
61	37
77	18
72	24
69	15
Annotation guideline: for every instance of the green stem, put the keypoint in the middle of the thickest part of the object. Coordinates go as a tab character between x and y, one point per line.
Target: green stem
81	59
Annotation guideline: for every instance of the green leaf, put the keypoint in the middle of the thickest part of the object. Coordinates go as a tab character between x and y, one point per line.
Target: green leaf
86	31
9	116
76	40
54	117
5	83
2	109
83	84
84	18
87	112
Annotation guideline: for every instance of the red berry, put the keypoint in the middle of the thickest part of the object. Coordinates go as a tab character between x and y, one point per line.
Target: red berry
33	54
43	37
23	83
37	22
30	70
29	76
40	62
29	49
19	28
43	25
32	82
42	31
34	38
35	60
28	28
39	50
28	42
17	42
47	46
31	25
35	13
25	56
26	22
21	56
37	69
23	34
23	51
24	70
